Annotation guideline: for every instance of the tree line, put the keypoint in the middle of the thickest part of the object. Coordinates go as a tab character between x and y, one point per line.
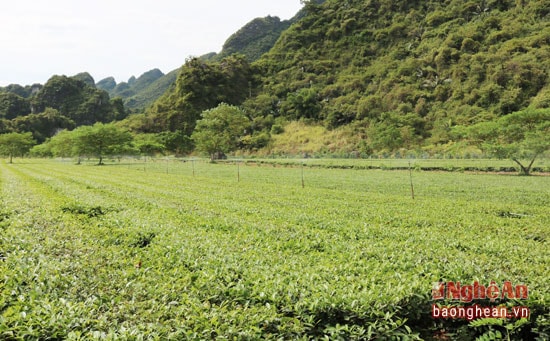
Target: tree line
219	131
521	137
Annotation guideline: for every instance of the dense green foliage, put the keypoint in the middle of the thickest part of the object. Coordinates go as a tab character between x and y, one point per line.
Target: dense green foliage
149	144
101	140
15	144
200	86
118	253
43	125
521	135
75	99
13	105
98	141
219	131
23	91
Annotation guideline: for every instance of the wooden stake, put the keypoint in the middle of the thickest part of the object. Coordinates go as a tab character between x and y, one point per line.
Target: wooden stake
303	185
411	178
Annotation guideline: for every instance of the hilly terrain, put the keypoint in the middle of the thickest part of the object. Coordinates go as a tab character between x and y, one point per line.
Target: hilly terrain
274	247
20	105
340	78
138	93
252	40
404	73
392	74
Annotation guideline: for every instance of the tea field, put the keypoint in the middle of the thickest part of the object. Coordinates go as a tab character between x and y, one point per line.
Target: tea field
193	250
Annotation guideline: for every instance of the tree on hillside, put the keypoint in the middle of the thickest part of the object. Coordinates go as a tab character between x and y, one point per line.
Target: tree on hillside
12	106
14	144
43	125
303	103
101	140
521	137
74	99
201	86
220	129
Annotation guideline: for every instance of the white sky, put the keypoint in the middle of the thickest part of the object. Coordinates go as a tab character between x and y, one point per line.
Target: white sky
119	38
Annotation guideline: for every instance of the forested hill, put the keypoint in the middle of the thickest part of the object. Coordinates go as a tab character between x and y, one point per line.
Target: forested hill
252	40
62	103
412	69
397	74
255	38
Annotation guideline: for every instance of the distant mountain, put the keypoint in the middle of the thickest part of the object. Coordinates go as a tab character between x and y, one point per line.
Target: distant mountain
86	78
22	91
139	93
148	94
254	39
108	84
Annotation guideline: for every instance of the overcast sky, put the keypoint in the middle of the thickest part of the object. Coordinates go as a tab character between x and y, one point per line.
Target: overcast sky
119	38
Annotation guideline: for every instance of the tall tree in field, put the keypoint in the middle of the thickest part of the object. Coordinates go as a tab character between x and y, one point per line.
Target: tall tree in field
521	136
14	144
148	144
63	144
220	129
101	140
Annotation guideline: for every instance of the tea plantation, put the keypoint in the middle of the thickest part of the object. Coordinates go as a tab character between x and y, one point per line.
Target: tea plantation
222	251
